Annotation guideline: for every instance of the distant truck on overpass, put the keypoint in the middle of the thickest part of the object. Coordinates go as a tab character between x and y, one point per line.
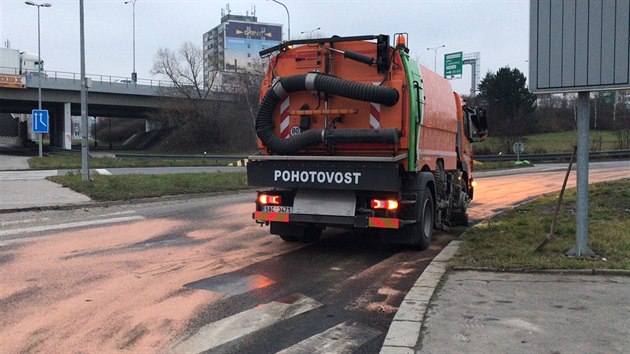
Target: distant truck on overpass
15	62
14	66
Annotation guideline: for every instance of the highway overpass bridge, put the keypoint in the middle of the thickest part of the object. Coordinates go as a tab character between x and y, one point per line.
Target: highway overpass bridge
107	97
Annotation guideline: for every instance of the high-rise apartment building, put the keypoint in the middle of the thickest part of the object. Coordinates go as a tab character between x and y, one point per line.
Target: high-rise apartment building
234	44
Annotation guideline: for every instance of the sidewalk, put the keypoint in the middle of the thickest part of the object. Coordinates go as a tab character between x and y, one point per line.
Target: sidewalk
498	312
20	188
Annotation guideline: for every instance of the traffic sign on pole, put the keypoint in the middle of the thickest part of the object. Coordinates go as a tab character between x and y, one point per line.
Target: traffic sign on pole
453	63
40	121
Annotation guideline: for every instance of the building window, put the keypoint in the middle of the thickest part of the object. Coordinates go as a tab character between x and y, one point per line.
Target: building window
249	46
249	55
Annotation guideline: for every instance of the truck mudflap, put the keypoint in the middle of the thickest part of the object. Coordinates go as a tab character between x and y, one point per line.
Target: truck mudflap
354	221
344	175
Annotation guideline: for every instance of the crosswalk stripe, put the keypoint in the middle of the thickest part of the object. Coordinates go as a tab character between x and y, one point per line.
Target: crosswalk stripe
69	225
228	329
345	337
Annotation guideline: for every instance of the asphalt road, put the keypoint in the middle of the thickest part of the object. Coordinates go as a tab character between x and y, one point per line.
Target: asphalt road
194	275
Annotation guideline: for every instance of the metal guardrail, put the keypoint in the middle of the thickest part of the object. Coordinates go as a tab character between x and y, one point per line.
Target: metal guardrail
615	154
103	79
226	158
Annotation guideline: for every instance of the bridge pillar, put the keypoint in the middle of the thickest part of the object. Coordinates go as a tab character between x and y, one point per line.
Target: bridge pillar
152	125
66	143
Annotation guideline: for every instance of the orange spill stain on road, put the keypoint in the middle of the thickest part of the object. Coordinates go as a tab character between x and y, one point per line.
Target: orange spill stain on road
116	288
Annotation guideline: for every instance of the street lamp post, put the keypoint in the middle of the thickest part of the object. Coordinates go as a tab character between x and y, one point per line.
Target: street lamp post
39	67
435	49
288	17
310	33
134	75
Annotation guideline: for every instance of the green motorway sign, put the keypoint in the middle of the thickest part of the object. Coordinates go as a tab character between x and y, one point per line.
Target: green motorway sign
453	63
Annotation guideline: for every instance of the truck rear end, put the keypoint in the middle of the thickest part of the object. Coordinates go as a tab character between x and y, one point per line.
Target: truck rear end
347	140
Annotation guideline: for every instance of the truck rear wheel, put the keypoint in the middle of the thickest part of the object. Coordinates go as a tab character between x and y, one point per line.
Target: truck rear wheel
459	217
420	233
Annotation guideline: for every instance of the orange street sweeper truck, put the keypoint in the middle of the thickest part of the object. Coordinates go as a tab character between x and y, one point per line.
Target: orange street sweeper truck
353	133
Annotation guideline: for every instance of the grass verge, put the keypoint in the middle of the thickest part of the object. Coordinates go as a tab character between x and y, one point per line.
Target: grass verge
127	187
507	242
56	162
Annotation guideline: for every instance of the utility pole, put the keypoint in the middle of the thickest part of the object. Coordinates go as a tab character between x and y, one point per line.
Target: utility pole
85	162
39	68
134	75
435	49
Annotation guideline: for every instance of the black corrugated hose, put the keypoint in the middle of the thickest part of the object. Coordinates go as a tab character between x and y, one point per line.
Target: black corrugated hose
323	83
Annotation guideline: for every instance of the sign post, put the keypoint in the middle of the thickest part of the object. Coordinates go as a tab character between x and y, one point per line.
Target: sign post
586	51
40	125
518	148
453	63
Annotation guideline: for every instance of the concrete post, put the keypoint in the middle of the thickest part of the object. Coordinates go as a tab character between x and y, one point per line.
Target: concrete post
581	214
66	143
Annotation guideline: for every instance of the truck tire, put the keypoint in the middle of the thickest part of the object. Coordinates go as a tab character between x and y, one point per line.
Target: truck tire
426	216
419	234
460	217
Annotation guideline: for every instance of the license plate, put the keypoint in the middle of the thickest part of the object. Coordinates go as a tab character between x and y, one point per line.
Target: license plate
277	208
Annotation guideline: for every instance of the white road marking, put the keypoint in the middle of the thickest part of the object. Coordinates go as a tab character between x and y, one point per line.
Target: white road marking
25	221
102	171
119	213
17	241
345	337
228	329
69	225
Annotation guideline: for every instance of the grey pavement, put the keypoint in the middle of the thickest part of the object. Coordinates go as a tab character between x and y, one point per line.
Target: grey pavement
34	189
499	312
9	162
485	312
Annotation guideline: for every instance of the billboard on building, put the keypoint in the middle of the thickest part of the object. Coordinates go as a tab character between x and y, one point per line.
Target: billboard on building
243	41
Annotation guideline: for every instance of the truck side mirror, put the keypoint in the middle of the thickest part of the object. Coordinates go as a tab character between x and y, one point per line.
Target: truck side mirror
477	117
481	125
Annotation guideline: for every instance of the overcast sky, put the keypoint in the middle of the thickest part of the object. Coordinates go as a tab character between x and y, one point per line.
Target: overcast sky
497	29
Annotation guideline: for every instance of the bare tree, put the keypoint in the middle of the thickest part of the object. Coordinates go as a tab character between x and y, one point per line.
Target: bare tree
205	114
184	69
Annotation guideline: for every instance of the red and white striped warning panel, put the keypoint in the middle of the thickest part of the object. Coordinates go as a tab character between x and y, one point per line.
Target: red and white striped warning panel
375	112
375	115
285	119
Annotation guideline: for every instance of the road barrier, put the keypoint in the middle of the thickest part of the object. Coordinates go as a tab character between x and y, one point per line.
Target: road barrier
564	156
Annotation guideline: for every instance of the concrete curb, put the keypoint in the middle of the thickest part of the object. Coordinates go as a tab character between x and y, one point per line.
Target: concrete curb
404	330
593	271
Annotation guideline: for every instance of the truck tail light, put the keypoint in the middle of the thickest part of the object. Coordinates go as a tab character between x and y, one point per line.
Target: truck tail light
266	199
389	204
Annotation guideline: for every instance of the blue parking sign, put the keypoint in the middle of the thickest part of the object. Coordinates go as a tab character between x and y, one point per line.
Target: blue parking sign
40	121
